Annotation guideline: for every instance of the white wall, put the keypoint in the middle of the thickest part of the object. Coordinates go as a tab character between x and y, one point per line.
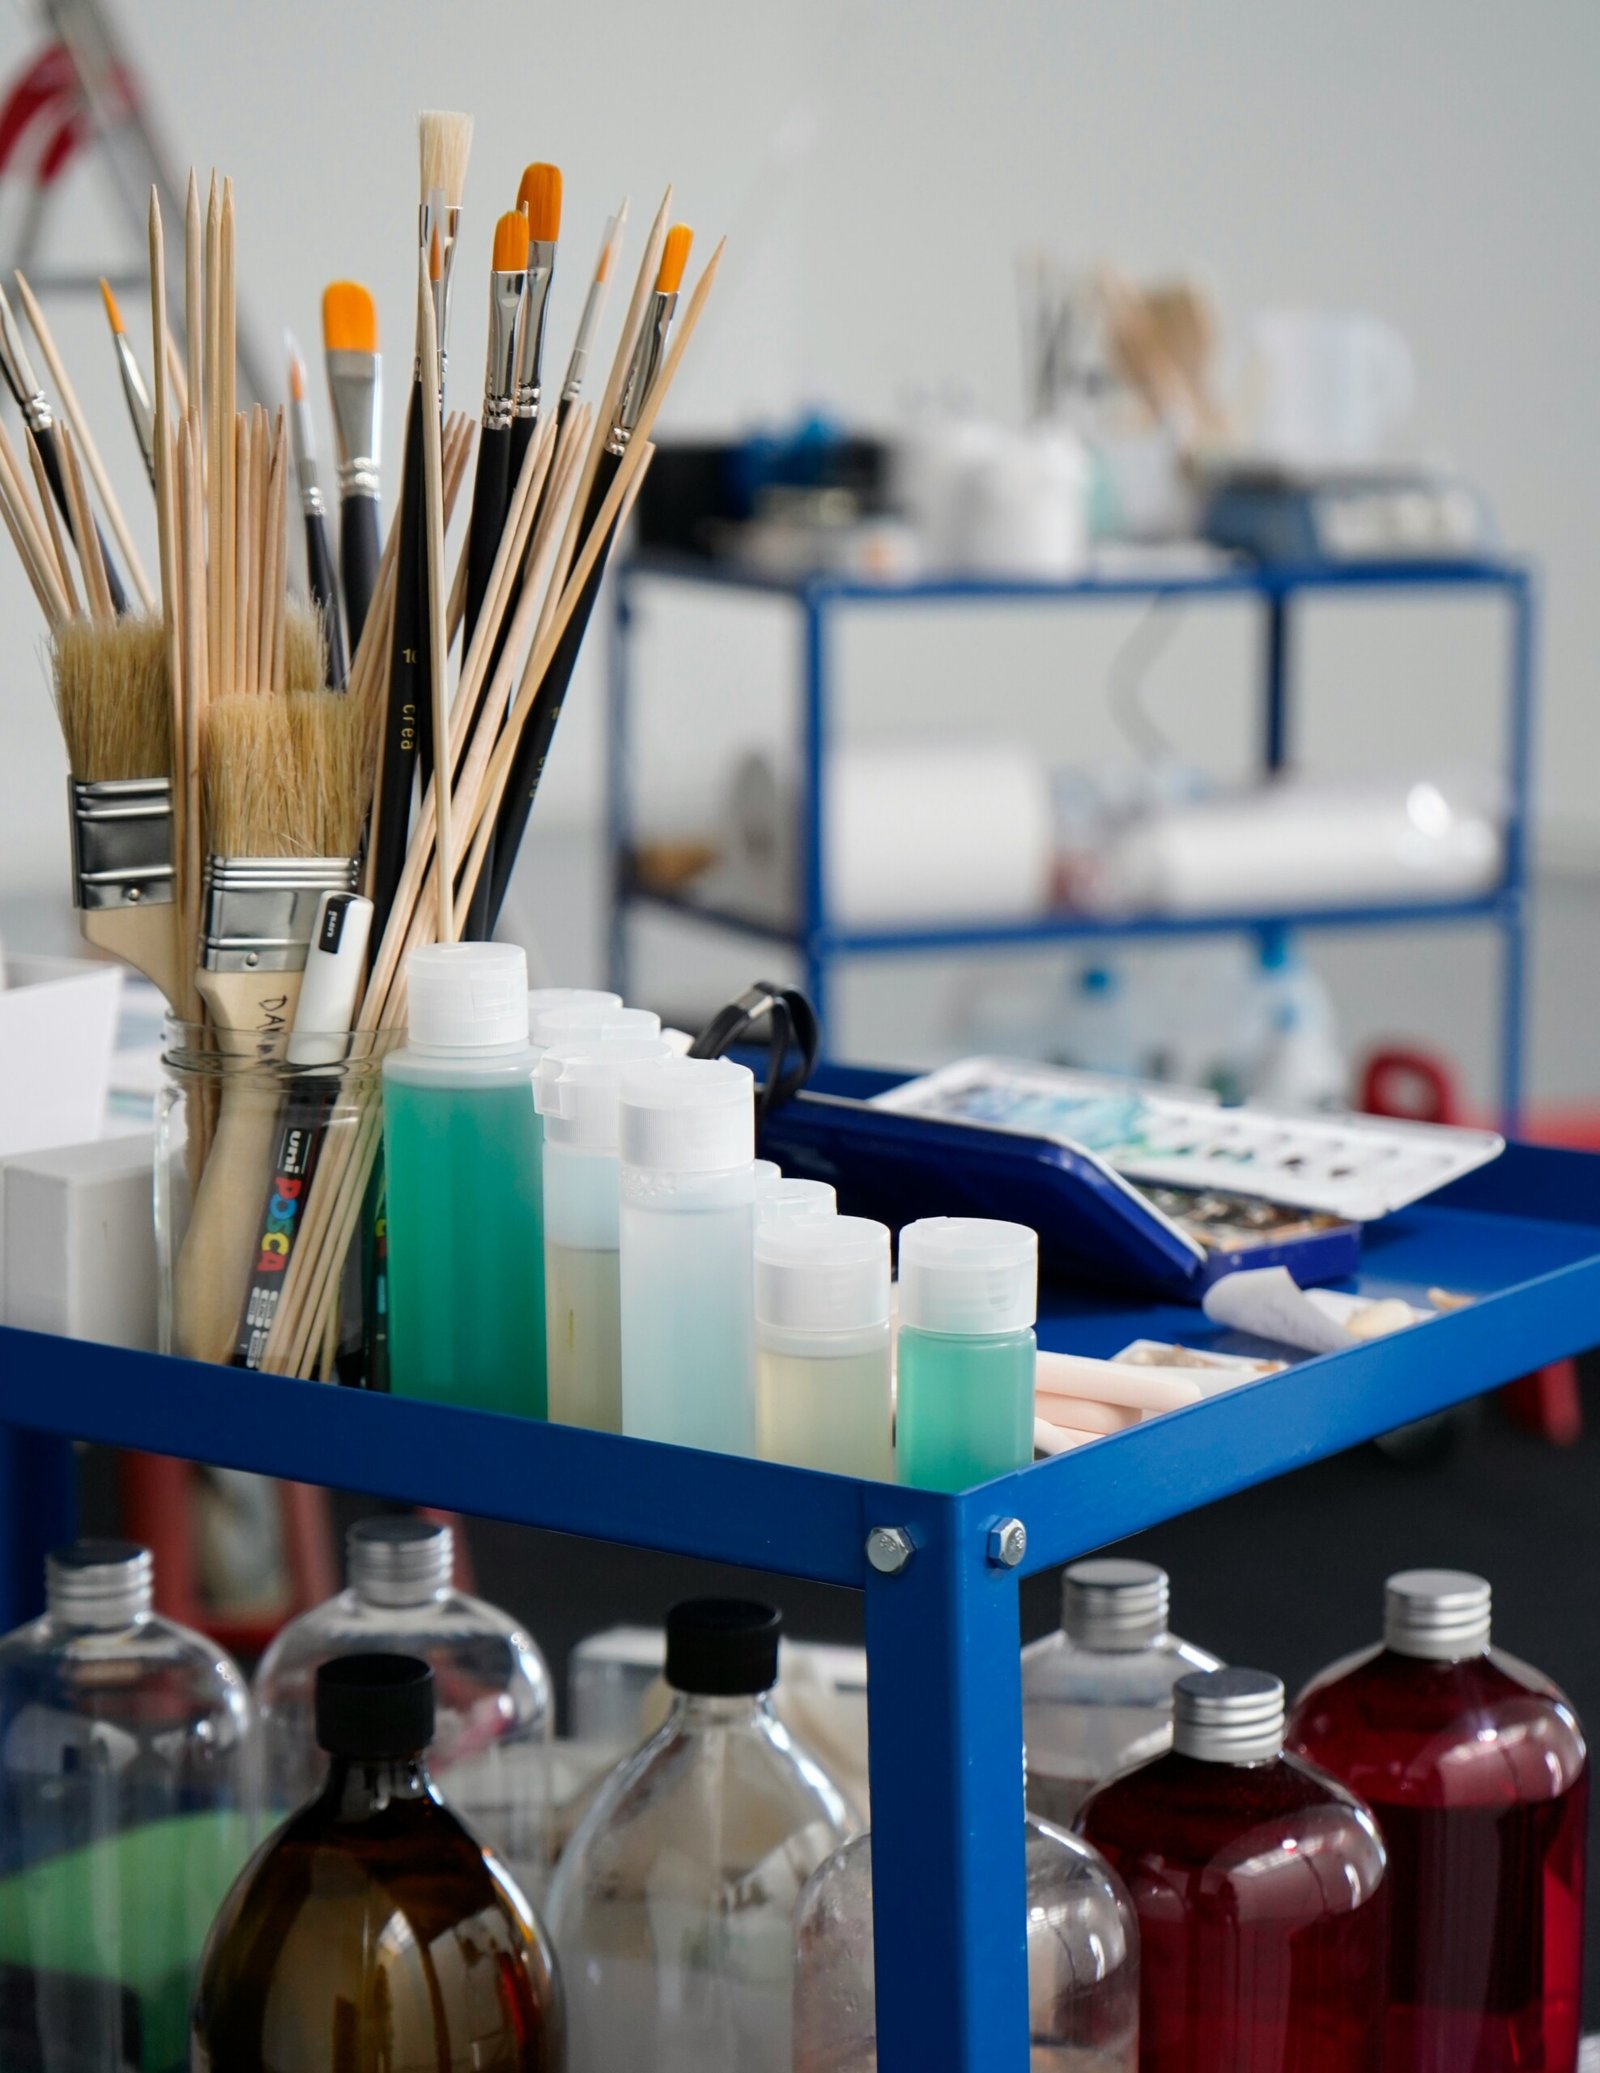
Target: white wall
877	166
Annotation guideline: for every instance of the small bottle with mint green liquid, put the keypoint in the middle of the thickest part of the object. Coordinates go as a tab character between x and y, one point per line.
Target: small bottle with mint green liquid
969	1291
461	1158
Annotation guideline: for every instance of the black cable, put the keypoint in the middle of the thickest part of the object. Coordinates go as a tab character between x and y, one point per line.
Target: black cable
794	1028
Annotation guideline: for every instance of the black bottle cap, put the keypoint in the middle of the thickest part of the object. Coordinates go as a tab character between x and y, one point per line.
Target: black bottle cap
374	1706
722	1648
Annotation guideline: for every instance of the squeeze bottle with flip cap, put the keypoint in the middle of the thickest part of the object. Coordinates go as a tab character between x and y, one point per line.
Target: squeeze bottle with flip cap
688	1130
461	1150
823	1394
968	1297
780	1200
578	1091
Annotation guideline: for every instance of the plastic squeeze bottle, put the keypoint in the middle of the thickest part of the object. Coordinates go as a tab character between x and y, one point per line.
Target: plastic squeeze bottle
968	1297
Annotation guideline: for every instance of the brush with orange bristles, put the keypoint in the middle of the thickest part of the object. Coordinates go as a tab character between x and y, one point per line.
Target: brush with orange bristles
319	560
539	201
355	388
491	488
133	388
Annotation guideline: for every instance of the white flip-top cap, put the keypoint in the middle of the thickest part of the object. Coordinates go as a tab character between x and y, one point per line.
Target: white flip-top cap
968	1275
782	1200
577	1086
467	996
548	1006
824	1274
689	1115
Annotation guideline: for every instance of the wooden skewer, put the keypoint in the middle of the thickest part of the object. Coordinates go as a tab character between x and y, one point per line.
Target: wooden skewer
272	664
28	531
192	506
176	380
227	451
72	411
221	661
90	559
194	306
62	560
244	649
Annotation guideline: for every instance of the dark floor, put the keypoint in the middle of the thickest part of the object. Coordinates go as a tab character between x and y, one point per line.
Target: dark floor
1284	1577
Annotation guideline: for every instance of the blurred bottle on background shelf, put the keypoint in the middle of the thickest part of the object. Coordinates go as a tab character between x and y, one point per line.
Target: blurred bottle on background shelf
673	1904
1476	1769
128	1802
374	1932
1099	1029
1297	1060
1260	1889
1097	1695
1083	1962
493	1708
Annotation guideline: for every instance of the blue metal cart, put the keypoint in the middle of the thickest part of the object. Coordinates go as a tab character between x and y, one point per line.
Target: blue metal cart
820	943
939	1574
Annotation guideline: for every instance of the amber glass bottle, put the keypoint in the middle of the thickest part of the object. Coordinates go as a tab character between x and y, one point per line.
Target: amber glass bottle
372	1934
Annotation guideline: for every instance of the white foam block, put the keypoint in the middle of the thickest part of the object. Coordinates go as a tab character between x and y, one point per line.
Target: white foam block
58	1026
77	1242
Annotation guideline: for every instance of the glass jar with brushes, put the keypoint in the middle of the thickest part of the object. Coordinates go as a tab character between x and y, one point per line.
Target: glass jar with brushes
267	1196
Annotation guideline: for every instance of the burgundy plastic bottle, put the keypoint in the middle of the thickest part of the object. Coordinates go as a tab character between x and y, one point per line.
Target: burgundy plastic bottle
1260	1890
1475	1767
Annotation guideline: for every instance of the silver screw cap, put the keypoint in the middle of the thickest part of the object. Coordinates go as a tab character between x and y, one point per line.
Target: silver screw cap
400	1561
1441	1615
1228	1716
99	1583
1112	1603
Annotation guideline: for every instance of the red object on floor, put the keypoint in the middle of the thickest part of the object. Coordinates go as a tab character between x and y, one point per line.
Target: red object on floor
1416	1087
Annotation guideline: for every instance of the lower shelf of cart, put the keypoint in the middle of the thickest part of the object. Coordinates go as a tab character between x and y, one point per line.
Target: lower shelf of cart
1521	1237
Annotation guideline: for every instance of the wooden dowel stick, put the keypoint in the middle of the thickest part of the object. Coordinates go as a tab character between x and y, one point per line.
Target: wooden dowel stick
61	559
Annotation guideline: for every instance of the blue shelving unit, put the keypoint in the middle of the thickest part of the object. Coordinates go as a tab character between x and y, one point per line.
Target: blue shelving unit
820	943
1522	1237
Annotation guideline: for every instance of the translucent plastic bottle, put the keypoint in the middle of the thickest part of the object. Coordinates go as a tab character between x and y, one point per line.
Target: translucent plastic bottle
373	1934
673	1905
1260	1889
128	1803
1097	1696
1083	1962
462	1167
780	1200
494	1708
823	1380
688	1223
577	1089
1477	1772
968	1296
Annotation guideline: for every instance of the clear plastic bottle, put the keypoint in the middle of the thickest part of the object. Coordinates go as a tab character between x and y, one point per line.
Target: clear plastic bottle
1476	1769
688	1227
462	1172
577	1090
1260	1889
494	1709
968	1296
1097	1696
673	1905
1083	1962
373	1934
823	1380
782	1200
129	1800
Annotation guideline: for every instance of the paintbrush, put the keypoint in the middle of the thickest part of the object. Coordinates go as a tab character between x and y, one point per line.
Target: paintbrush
491	487
284	784
539	200
36	415
593	306
445	141
114	697
527	765
133	388
355	388
319	560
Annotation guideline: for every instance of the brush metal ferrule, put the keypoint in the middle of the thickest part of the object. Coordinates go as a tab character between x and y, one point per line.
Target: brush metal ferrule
435	215
140	408
355	389
500	378
260	912
643	368
302	436
21	380
121	843
530	345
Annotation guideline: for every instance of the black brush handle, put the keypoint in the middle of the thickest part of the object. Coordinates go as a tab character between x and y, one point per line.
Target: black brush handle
533	747
51	463
325	595
360	551
491	496
408	683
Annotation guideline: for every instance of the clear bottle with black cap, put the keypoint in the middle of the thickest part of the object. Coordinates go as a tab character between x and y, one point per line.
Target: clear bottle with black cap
1097	1695
128	1802
493	1704
673	1905
1261	1892
373	1934
1476	1769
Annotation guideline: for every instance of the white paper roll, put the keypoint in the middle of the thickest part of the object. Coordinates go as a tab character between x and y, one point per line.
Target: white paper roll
916	832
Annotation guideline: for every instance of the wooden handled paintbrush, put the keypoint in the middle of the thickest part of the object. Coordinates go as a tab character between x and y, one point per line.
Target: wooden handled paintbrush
319	560
355	388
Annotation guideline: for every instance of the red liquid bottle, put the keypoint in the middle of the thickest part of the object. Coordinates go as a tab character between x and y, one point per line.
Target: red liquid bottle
1260	1890
1475	1767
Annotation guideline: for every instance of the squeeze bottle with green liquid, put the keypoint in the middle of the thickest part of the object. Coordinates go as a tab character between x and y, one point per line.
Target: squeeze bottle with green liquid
461	1156
968	1297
